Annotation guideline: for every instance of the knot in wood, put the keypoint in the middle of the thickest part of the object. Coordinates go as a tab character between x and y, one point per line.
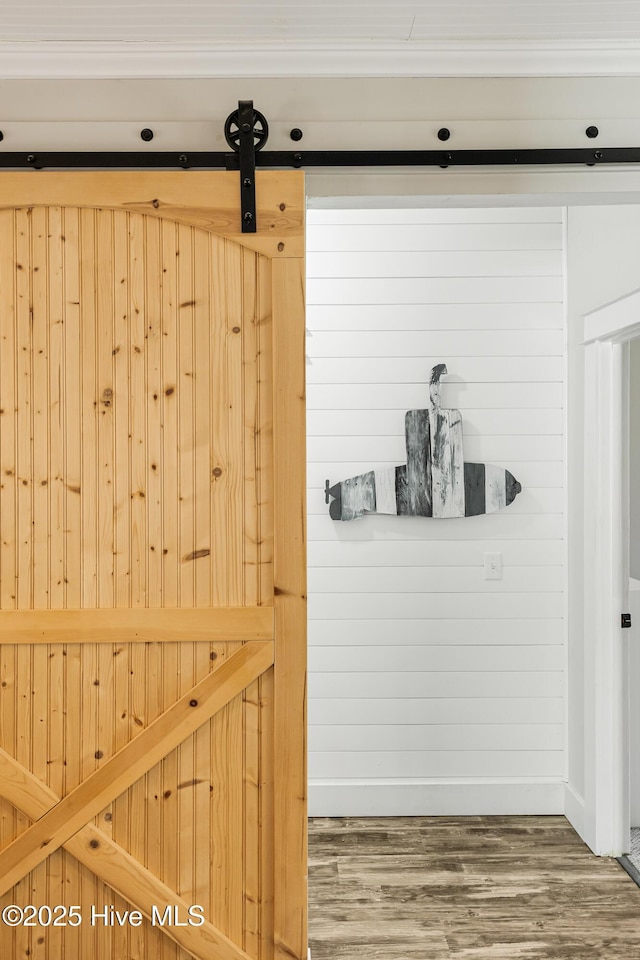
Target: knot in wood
193	703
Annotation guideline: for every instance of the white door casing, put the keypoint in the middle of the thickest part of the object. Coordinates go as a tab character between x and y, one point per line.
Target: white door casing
607	332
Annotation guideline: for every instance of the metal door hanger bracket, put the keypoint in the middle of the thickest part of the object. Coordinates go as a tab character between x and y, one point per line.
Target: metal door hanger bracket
246	131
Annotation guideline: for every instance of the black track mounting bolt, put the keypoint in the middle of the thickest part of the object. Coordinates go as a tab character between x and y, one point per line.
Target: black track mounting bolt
146	134
296	134
592	132
444	133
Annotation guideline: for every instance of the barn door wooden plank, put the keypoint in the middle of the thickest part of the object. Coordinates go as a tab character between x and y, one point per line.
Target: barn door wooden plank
56	406
136	625
96	850
289	565
23	408
71	415
8	388
144	751
203	199
151	520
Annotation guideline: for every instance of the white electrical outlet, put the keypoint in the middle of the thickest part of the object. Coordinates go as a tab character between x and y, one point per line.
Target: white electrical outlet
493	566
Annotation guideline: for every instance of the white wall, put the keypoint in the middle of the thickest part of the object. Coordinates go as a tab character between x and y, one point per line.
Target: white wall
603	264
432	690
634	465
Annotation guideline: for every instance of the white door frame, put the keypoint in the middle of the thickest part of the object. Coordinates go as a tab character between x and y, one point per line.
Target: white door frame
607	332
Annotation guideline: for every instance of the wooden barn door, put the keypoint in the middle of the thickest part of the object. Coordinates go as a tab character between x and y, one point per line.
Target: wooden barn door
152	568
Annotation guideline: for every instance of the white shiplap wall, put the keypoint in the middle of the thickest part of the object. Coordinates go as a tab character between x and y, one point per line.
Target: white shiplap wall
432	690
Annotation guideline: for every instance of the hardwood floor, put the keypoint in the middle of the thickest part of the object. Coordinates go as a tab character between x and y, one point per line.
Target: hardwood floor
456	888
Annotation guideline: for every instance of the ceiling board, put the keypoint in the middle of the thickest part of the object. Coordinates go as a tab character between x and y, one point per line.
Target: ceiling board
351	20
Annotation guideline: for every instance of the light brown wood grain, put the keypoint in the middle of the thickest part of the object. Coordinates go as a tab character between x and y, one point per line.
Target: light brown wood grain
86	417
154	392
149	747
264	467
8	718
8	425
138	543
23	739
56	406
203	388
289	570
267	816
105	407
170	781
95	849
142	625
72	413
39	433
169	465
151	447
209	200
24	412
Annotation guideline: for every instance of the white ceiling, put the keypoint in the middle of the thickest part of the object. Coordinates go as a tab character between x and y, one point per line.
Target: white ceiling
242	21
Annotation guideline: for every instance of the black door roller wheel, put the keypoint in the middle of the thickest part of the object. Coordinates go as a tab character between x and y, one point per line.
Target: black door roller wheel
232	130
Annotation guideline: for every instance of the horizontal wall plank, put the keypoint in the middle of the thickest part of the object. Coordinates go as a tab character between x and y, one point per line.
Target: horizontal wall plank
443	553
542	500
440	316
439	710
436	290
398	657
361	423
398	606
411	343
404	395
450	632
456	684
501	526
393	449
434	763
130	625
405	262
416	579
409	369
391	215
336	238
459	736
530	473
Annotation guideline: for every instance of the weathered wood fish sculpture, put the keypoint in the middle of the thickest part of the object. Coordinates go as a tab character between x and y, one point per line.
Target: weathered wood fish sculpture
435	481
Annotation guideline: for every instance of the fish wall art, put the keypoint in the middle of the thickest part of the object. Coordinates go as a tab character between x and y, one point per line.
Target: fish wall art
435	481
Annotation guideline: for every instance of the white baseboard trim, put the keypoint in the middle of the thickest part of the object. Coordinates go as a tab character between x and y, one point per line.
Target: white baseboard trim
574	809
438	798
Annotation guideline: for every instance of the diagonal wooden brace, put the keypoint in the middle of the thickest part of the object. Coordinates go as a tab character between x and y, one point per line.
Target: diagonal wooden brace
109	861
170	729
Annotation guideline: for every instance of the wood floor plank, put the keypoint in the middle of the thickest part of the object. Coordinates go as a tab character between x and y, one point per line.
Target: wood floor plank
465	888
